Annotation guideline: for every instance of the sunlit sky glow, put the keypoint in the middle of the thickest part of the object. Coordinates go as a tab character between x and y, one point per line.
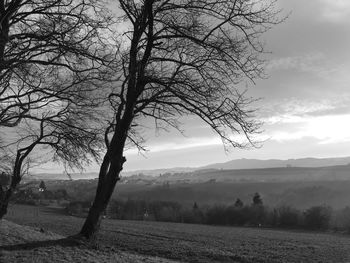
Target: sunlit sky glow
305	101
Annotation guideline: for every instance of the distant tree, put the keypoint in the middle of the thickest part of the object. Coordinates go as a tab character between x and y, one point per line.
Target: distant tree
181	58
195	206
257	211
42	186
239	203
257	200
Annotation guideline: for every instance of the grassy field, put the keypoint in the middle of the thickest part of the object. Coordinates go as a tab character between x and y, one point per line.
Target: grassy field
195	243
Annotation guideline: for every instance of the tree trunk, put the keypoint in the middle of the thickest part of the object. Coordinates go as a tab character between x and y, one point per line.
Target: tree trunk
92	222
113	161
104	191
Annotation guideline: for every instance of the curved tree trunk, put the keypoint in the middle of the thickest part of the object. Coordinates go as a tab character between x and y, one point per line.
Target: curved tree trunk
113	161
108	177
104	192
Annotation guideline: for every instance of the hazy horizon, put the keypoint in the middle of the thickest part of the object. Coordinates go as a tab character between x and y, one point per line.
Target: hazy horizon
42	171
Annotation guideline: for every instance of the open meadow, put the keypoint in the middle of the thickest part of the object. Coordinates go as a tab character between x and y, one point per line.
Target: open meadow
191	243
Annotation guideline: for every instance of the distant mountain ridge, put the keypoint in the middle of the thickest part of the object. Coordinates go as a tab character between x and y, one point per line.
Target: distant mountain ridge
237	164
274	163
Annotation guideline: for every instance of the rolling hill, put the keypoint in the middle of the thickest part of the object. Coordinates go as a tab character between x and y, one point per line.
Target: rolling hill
238	164
255	163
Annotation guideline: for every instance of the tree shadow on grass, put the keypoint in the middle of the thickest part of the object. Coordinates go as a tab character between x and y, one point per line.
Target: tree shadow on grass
72	241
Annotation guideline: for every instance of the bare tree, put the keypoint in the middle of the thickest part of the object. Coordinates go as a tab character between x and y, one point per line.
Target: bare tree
53	56
184	57
65	133
46	48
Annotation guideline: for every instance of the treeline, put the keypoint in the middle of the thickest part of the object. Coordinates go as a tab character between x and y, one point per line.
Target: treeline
255	214
29	197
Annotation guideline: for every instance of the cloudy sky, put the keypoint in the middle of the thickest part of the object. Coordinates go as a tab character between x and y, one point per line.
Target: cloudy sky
305	101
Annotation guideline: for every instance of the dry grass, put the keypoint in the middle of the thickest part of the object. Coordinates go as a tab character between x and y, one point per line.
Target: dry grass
27	244
185	242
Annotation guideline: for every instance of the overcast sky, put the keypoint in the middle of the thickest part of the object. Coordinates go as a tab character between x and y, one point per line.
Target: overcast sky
305	101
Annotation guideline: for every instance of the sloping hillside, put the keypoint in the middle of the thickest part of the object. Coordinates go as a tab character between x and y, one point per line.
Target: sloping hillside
27	244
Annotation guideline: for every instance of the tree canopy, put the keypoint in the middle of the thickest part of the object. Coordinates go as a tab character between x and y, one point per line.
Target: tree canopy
187	57
49	50
53	56
178	58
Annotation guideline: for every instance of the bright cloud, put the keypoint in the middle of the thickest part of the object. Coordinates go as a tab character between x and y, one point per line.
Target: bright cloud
326	120
292	110
185	143
326	129
196	142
